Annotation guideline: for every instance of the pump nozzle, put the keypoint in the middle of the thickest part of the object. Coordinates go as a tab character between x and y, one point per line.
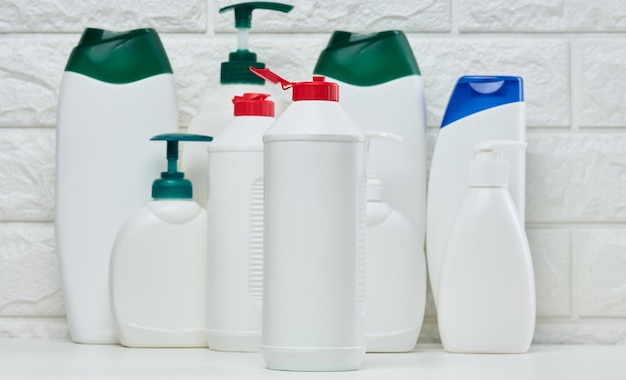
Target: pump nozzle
236	69
172	183
486	169
374	184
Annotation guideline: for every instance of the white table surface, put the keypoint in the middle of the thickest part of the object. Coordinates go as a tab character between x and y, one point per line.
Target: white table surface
58	359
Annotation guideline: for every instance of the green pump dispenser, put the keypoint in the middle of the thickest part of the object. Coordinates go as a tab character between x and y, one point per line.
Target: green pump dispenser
119	57
236	70
172	184
367	59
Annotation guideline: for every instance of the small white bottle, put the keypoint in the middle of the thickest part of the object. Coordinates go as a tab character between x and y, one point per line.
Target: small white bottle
119	87
235	225
158	264
215	111
480	108
396	273
487	287
314	233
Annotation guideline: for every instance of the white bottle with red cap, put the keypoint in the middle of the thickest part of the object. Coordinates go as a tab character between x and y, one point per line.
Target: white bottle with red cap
315	208
235	227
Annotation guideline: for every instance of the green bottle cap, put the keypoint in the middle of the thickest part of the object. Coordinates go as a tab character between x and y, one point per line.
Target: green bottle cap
119	57
367	59
236	69
172	184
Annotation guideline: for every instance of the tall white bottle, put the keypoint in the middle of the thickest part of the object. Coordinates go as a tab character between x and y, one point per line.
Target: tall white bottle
158	264
235	225
314	233
216	110
117	89
480	108
487	287
383	90
396	273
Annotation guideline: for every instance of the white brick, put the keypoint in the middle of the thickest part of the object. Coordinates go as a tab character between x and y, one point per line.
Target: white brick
27	174
40	328
543	64
576	177
580	332
602	94
600	262
74	16
542	16
328	15
29	275
30	72
551	261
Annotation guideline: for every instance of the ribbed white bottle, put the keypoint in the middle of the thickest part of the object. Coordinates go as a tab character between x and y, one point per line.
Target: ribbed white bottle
314	173
235	227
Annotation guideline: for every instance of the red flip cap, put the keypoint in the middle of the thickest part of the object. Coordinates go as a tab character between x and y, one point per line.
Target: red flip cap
253	104
318	89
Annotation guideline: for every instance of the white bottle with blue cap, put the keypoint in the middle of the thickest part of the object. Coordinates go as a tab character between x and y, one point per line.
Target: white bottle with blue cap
481	108
158	263
486	284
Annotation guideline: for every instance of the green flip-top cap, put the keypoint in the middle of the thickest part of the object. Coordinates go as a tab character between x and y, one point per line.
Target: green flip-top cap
236	69
367	59
173	184
119	57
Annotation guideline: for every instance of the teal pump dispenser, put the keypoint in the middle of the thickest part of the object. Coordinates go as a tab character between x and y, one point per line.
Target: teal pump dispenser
236	69
173	184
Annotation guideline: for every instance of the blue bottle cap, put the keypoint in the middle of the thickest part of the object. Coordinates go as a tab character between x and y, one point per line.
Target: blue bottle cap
473	94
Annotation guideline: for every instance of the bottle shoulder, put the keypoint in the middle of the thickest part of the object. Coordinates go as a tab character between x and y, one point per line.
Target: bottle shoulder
314	120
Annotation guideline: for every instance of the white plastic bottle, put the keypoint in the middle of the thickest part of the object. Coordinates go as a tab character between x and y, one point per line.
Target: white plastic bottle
396	274
487	287
117	91
216	109
314	233
481	108
235	225
383	90
158	264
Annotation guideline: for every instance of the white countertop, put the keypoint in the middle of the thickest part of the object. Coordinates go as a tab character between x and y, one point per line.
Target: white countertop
58	359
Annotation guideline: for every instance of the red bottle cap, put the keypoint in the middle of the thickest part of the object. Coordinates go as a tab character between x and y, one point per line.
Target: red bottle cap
318	89
253	104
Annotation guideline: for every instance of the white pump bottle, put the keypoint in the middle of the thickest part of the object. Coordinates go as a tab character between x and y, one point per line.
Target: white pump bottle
396	271
215	111
158	264
487	290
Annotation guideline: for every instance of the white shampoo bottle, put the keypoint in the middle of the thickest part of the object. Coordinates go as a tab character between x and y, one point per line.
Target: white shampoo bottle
314	233
158	264
118	87
487	287
396	272
383	90
235	222
481	108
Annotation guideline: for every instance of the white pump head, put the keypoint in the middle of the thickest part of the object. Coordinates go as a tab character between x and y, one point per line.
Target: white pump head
374	184
487	169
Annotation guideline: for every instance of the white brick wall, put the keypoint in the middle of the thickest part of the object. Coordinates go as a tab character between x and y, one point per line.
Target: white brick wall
572	55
